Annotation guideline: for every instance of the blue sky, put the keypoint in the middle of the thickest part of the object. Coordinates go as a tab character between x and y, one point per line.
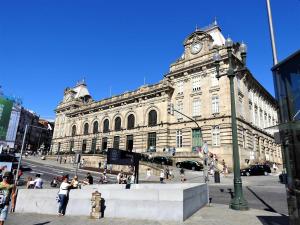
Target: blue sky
47	45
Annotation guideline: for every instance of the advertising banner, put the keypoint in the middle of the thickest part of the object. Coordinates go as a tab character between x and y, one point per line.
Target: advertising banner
5	167
5	111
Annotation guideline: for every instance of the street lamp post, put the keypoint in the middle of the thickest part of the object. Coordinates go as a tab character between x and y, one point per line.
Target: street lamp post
238	202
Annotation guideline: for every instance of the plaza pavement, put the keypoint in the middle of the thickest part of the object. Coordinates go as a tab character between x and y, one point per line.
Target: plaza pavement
210	215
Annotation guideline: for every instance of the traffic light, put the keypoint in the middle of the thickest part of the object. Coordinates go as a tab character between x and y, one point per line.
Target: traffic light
171	108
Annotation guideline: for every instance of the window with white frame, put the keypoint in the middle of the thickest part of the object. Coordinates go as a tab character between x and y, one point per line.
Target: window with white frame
178	138
240	107
238	83
179	107
216	136
196	83
180	87
266	120
244	138
215	104
261	118
256	116
251	112
214	80
196	107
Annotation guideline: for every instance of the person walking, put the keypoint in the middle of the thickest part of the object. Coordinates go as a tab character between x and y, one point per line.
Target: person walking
148	174
38	182
63	195
6	191
167	173
274	167
182	177
162	176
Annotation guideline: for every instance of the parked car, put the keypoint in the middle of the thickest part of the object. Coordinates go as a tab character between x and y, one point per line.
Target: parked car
25	168
162	160
190	165
256	170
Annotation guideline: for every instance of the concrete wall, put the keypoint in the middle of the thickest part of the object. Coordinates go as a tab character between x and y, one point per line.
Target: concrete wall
174	202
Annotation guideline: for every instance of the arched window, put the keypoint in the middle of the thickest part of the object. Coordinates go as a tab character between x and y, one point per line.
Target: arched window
105	126
152	118
130	122
73	130
86	129
118	124
95	127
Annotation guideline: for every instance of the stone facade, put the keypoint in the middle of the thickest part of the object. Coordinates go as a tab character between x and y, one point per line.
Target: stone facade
139	121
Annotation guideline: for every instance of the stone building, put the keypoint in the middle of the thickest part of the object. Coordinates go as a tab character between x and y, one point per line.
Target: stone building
138	120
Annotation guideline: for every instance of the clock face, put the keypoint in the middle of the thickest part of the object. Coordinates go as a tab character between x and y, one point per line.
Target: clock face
196	47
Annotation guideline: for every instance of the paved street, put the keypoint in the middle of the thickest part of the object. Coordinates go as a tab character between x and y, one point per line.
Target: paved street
48	172
261	192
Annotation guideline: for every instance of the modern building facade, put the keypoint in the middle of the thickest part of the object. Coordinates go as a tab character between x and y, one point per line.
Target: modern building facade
139	121
286	76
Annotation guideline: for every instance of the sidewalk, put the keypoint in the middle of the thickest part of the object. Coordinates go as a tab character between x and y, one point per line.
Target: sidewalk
214	215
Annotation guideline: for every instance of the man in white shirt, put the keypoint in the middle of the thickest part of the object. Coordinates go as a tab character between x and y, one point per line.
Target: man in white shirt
38	182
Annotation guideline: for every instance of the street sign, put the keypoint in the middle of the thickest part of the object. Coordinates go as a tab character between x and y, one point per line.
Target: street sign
121	157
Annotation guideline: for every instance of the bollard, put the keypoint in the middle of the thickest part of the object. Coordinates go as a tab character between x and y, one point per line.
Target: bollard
96	205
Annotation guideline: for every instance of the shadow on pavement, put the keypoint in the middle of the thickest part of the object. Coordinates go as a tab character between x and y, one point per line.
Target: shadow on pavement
274	220
229	192
269	208
42	223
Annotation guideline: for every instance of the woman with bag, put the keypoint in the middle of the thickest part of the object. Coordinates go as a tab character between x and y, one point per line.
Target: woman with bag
63	195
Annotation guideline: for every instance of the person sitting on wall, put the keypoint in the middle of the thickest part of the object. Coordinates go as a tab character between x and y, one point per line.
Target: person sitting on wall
89	179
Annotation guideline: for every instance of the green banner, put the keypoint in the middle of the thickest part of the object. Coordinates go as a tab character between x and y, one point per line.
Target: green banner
5	111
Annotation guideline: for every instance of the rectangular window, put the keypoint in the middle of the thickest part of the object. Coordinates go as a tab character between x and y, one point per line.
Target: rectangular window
238	81
250	113
256	116
240	107
244	138
179	108
266	120
116	144
215	104
214	80
94	143
129	143
104	143
152	141
84	143
178	138
196	139
71	146
261	118
180	87
196	83
216	136
196	107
